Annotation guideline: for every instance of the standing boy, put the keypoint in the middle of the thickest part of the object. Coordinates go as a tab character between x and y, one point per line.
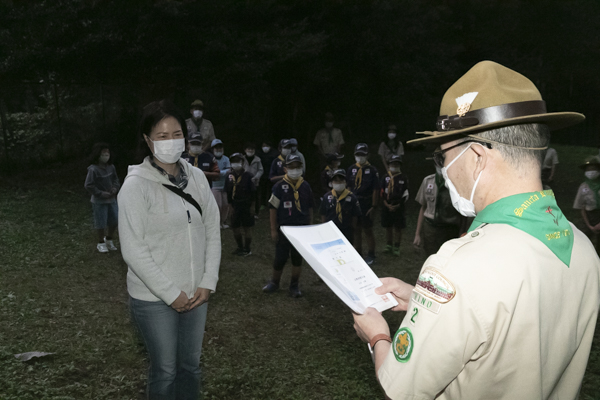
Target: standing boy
218	187
340	205
333	163
291	204
277	171
200	158
253	165
363	181
394	190
240	192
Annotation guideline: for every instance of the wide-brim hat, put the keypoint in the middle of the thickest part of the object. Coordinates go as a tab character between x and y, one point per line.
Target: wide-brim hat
197	104
491	96
591	160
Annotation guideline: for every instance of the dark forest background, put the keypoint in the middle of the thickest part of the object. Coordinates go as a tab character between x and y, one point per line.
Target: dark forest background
75	72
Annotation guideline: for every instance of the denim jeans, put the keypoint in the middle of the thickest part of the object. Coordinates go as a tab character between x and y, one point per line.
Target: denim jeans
174	344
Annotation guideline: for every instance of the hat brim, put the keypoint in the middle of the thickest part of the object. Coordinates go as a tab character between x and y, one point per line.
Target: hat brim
554	121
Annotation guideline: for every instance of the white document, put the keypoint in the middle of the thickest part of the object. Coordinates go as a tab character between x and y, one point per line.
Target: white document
340	266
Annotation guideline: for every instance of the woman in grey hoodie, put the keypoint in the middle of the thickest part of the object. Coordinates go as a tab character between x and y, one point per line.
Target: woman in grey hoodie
170	240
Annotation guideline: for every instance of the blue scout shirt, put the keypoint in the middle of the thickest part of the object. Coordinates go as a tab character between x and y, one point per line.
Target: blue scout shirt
277	168
284	202
242	182
399	187
350	209
369	180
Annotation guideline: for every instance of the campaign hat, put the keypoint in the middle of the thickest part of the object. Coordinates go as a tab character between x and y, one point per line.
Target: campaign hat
491	96
591	160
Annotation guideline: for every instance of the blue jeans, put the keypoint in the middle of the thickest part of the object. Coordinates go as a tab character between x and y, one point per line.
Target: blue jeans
174	344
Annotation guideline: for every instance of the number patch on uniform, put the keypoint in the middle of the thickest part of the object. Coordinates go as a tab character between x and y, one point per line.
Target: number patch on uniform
403	345
413	318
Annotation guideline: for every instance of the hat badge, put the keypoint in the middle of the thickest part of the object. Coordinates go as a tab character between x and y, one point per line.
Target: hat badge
464	103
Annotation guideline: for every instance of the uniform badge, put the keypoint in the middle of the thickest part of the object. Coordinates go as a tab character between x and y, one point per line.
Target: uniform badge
205	164
353	171
434	285
403	345
287	204
430	186
348	199
464	103
330	197
368	171
279	163
585	190
285	186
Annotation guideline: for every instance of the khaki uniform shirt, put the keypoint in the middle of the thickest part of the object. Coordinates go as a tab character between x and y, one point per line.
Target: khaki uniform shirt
427	196
385	152
206	129
550	159
322	140
496	315
585	198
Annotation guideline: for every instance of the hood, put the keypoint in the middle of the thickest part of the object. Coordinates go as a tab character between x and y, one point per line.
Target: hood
147	171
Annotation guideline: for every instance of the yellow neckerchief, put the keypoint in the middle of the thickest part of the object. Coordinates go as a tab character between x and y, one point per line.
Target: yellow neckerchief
390	187
281	158
196	161
358	179
295	186
339	198
235	184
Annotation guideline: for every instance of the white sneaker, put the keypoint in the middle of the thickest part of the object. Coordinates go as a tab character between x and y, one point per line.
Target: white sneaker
110	244
102	248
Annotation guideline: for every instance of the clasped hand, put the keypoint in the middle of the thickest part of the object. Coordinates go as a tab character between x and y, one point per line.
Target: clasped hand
183	304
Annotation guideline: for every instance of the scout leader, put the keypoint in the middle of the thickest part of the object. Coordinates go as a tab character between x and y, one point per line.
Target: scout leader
363	181
508	311
240	189
340	206
394	192
588	200
291	204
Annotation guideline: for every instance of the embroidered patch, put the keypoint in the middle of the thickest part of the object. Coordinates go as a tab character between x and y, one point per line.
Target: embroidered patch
368	171
434	285
426	303
285	186
430	186
287	204
348	199
403	345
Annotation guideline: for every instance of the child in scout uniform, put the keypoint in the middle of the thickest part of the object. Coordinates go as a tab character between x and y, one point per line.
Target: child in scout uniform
277	171
363	181
200	158
291	204
438	220
340	205
588	200
253	164
218	185
333	163
394	191
240	193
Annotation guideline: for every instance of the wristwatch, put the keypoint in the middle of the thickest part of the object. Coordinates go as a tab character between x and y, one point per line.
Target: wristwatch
374	340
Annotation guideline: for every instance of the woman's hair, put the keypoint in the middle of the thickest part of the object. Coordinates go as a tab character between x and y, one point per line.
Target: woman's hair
97	150
154	113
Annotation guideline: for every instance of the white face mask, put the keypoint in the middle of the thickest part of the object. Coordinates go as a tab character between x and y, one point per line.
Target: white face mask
250	153
391	135
463	206
592	174
218	154
394	169
294	173
285	152
266	149
339	187
197	114
196	149
105	157
328	125
237	166
360	159
168	151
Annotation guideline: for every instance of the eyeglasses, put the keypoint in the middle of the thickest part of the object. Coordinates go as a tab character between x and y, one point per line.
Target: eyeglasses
439	156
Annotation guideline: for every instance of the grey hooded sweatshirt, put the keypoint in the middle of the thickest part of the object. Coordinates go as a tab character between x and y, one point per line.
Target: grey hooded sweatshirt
167	245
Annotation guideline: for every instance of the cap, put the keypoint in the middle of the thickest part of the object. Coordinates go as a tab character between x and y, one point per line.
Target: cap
197	104
292	158
285	143
339	172
293	142
215	142
361	148
195	137
394	158
591	160
235	156
333	156
392	128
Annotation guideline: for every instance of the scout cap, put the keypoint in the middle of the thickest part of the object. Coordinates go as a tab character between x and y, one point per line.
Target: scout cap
491	96
333	157
591	160
195	137
197	104
292	158
394	158
215	142
293	142
285	143
392	128
339	172
236	156
361	148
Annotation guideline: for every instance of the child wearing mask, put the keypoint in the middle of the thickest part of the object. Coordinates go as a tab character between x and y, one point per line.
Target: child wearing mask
394	191
277	171
199	158
253	165
218	186
291	204
390	146
240	193
340	205
294	150
588	200
103	184
267	155
363	181
333	163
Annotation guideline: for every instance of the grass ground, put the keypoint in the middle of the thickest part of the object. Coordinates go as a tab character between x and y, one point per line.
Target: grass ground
58	295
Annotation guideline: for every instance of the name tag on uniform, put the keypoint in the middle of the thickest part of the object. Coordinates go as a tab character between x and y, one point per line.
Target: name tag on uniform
348	199
205	164
368	171
287	204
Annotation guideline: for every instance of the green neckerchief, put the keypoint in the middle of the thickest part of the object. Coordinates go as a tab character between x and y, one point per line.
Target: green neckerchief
594	185
535	213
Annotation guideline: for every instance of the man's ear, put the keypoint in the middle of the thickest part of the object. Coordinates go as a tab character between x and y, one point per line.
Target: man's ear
482	159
